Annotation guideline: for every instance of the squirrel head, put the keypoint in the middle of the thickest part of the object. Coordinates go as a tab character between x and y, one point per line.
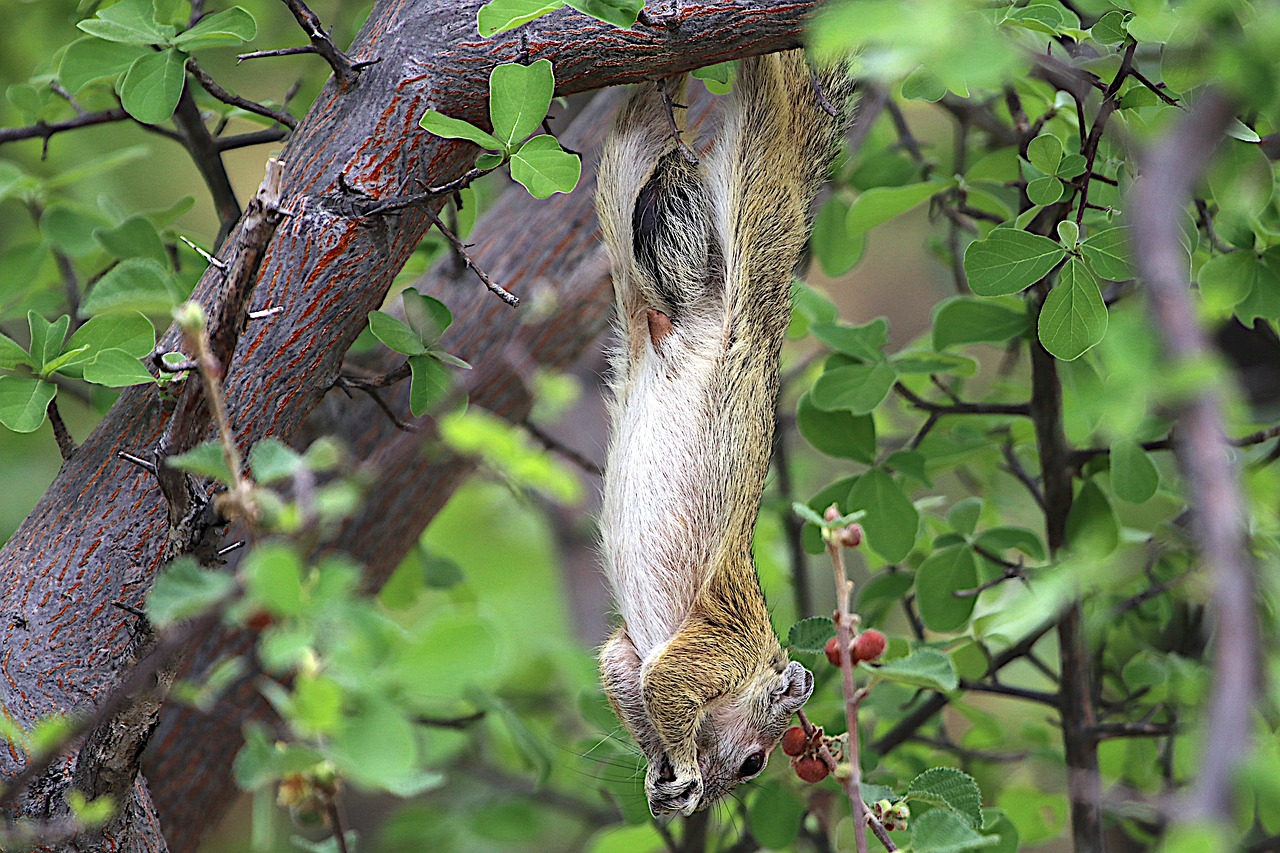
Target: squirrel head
733	734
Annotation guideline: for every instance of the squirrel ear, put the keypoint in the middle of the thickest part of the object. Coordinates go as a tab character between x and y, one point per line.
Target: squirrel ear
795	685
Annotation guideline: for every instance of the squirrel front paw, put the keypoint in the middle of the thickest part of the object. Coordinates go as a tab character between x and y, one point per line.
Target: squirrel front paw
673	790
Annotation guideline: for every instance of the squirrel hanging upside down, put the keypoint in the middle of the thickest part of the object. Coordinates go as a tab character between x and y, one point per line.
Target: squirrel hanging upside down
702	262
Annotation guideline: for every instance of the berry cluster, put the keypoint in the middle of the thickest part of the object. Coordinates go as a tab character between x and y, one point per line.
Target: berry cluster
867	646
804	750
891	815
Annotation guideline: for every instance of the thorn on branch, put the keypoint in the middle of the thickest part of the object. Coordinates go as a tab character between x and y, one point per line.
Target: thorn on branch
344	67
669	102
144	464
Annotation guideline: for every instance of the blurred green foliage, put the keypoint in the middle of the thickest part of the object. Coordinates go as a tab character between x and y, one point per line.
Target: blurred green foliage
462	688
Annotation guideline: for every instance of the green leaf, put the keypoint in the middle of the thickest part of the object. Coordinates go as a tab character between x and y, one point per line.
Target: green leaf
70	228
718	77
865	343
544	168
941	574
836	251
1044	191
88	59
1109	29
952	789
856	388
1092	526
116	368
1264	297
965	320
135	237
519	96
451	360
1239	130
1038	17
924	667
620	13
810	635
922	85
933	362
1225	281
271	460
128	22
1045	153
837	433
1009	261
135	284
429	384
274	576
46	339
891	521
68	355
229	27
1134	477
1110	253
999	539
12	354
1068	233
427	317
205	459
455	128
184	590
498	16
23	402
888	586
129	332
943	831
880	204
151	87
1074	317
440	572
808	513
775	814
395	334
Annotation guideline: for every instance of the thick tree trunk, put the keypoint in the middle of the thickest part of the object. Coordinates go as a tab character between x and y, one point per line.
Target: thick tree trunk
94	539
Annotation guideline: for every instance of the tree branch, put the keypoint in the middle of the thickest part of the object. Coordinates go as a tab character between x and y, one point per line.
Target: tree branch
1169	172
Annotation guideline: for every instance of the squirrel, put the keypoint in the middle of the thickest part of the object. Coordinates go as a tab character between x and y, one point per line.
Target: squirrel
702	258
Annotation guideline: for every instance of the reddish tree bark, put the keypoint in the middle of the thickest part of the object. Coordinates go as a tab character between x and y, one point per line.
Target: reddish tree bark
94	539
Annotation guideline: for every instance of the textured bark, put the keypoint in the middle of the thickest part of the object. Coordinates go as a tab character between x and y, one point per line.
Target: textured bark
96	536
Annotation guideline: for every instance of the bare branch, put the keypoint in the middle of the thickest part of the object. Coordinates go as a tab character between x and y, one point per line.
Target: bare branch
44	130
1170	171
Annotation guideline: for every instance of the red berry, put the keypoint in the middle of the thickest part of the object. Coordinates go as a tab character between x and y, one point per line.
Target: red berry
851	536
832	649
869	645
794	741
259	620
811	769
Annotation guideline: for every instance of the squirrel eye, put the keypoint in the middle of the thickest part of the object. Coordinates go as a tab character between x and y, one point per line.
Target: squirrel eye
752	765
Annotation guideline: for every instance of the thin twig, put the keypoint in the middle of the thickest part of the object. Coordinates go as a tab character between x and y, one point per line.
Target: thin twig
211	86
44	130
551	443
284	51
852	696
961	408
461	248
